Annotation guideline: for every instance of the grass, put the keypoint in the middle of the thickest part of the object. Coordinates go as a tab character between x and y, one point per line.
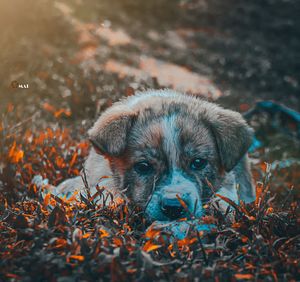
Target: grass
53	239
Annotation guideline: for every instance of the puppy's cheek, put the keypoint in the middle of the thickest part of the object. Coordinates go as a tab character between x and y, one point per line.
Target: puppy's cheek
120	172
140	191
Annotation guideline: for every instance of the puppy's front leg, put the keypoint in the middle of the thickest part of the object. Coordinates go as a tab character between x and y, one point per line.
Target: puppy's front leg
69	186
96	172
181	229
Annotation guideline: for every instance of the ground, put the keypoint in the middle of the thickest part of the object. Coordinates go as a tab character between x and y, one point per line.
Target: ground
77	57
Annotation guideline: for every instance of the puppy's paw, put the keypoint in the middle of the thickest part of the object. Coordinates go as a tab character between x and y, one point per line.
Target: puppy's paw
181	229
43	185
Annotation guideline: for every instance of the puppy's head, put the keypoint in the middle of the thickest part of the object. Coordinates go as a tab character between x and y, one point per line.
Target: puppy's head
167	150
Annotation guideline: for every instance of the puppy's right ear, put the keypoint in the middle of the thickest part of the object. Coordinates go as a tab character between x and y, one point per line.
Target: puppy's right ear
109	133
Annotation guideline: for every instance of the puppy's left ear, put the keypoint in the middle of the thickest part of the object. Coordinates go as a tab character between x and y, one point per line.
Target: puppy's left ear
109	133
233	137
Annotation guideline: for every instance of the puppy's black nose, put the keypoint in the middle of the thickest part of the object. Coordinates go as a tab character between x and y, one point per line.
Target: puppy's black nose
171	207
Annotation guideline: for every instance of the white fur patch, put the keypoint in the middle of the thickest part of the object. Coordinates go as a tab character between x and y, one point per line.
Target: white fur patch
170	137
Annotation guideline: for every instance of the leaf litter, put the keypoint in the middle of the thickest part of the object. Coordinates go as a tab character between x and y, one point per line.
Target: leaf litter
83	238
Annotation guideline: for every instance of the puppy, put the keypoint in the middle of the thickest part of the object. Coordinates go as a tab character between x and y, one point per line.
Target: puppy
169	153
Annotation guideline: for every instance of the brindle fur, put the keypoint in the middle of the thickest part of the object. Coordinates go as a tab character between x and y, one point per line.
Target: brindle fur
169	129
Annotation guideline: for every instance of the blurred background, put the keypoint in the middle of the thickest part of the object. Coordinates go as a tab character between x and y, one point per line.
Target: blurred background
63	62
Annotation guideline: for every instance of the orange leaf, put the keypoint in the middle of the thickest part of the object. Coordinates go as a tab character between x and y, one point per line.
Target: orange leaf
18	156
148	247
236	225
12	150
79	258
59	112
103	233
118	201
48	108
259	189
15	154
133	270
47	199
60	162
72	198
151	233
240	276
182	202
186	241
244	239
118	242
263	166
73	160
230	202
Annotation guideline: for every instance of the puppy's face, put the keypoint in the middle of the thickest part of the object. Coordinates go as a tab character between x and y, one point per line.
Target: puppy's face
167	158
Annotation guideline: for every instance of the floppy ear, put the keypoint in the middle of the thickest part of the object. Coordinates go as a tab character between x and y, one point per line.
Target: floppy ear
233	137
109	133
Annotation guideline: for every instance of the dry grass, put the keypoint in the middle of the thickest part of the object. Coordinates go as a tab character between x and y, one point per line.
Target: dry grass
56	239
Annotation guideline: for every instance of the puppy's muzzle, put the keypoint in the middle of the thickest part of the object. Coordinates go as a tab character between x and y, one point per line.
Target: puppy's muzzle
171	206
178	198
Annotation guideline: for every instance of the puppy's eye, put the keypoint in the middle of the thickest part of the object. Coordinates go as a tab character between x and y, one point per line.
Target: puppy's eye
143	167
198	164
